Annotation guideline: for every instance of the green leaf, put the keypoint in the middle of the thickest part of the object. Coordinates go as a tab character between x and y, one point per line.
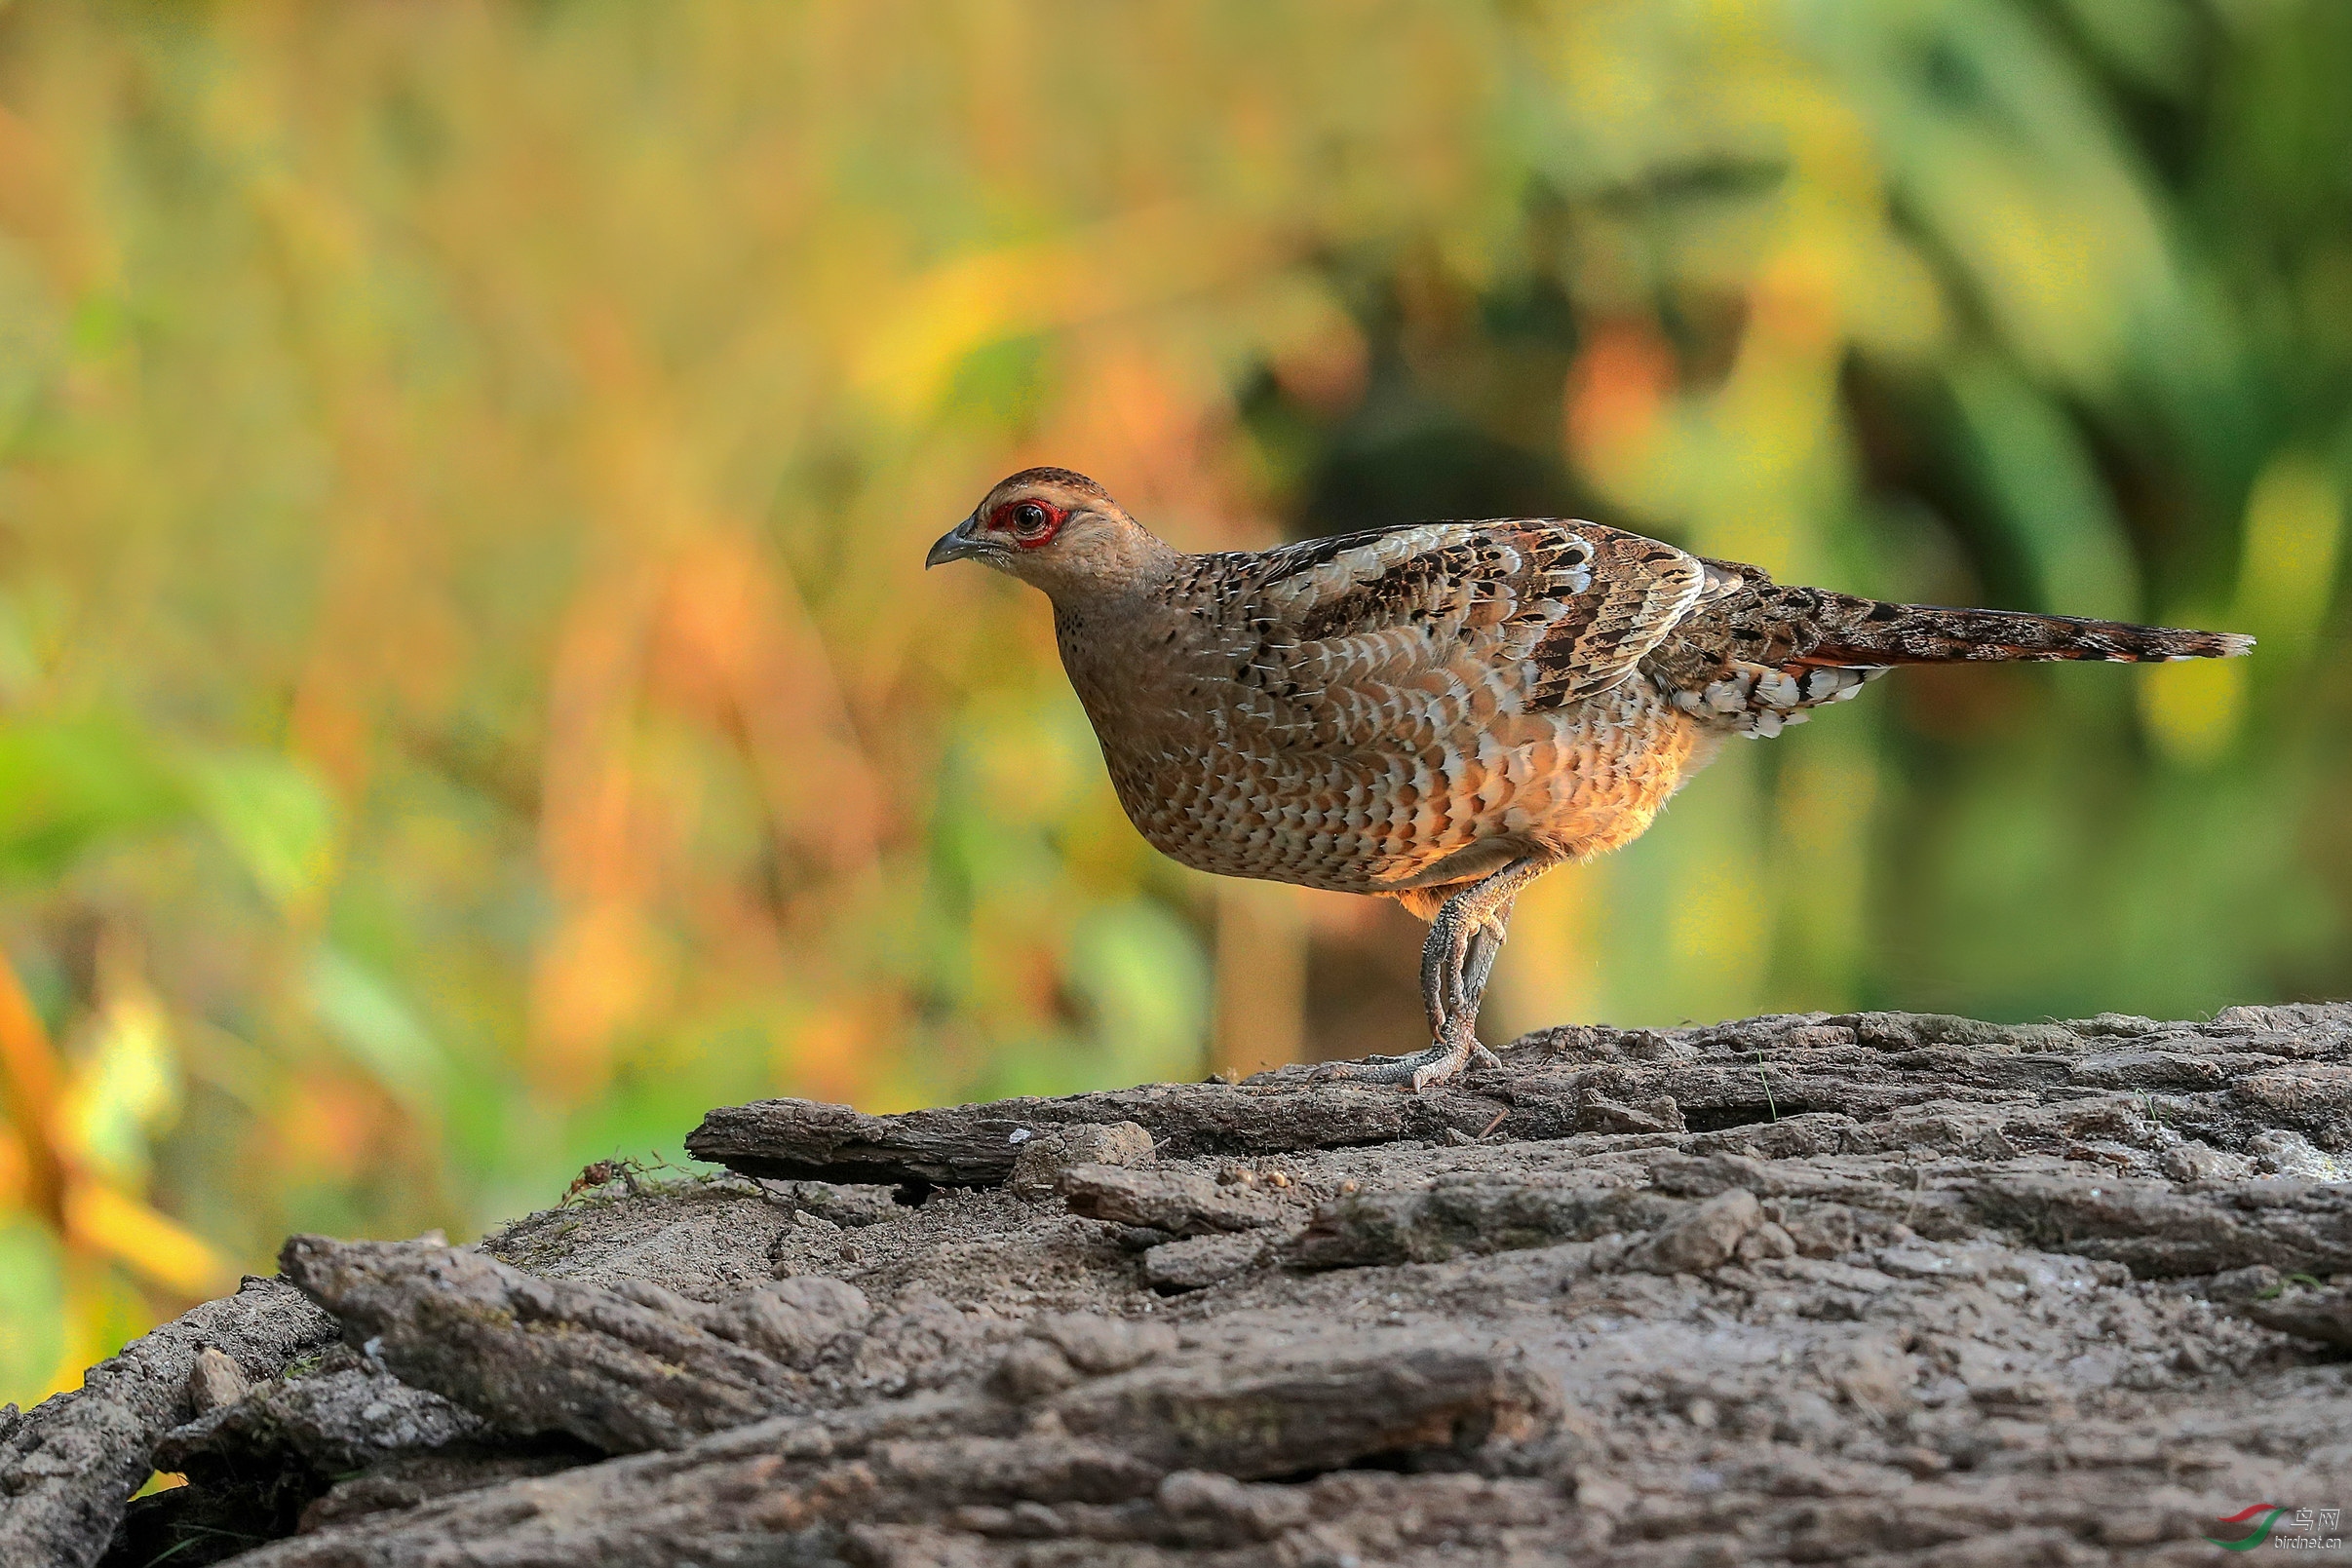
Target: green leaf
32	1301
1147	983
69	785
2035	470
378	1028
275	817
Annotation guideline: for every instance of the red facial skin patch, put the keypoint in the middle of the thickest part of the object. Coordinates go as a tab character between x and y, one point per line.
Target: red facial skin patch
1031	523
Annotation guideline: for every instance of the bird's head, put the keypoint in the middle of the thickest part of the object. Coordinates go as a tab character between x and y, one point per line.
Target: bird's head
1055	530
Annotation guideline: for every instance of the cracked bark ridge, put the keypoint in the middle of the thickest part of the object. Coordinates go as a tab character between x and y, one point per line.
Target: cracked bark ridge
258	1460
69	1466
1177	1203
621	1371
2250	1070
2310	1313
343	1416
1101	1445
2296	1226
1876	1288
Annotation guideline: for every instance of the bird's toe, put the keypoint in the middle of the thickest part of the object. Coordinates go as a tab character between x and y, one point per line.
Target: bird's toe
1434	1065
1445	1068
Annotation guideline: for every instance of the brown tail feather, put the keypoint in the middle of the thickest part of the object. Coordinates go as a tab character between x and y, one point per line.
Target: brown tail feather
1867	632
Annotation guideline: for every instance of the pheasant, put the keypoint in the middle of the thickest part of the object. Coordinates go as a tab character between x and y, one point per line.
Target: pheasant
1440	713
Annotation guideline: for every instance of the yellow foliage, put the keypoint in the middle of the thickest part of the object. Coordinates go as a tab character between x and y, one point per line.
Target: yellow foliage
159	1251
2194	709
123	1091
2294	519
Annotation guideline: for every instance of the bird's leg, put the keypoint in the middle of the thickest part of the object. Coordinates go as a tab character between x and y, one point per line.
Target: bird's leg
1485	946
1455	961
1482	943
1451	945
1436	972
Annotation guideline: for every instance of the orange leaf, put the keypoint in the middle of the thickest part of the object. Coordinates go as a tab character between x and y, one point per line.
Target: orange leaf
29	1080
158	1249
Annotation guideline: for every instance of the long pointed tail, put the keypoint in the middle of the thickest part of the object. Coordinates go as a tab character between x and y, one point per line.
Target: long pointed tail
1857	632
1754	656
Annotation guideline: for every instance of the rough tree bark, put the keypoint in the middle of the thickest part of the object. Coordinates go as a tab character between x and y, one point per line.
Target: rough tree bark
1871	1289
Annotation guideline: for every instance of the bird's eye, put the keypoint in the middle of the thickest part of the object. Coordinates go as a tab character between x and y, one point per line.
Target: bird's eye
1031	524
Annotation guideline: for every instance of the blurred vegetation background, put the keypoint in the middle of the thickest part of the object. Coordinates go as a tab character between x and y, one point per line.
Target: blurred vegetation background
469	695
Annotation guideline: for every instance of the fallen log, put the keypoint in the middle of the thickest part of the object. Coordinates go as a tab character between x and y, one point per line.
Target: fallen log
2248	1069
1853	1288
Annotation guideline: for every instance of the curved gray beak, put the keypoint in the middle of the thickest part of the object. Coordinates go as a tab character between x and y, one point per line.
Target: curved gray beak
957	544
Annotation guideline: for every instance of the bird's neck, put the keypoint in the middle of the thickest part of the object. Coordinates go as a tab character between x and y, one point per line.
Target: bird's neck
1105	571
1115	641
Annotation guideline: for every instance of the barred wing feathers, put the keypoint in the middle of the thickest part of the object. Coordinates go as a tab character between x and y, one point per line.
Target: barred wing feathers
1411	635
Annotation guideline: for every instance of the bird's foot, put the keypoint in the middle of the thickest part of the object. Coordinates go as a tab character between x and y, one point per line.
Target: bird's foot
1418	1071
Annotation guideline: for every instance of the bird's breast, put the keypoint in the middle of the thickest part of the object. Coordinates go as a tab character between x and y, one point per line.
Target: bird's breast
1226	778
